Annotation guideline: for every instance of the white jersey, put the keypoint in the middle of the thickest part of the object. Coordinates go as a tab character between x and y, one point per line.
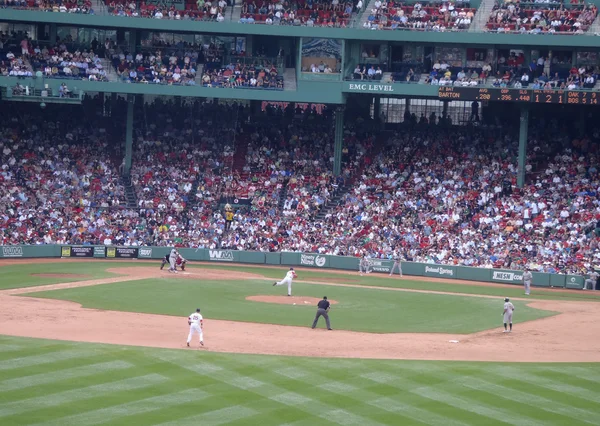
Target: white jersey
290	275
173	254
509	307
195	318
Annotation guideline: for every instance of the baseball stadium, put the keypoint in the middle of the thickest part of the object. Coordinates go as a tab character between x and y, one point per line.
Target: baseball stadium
299	212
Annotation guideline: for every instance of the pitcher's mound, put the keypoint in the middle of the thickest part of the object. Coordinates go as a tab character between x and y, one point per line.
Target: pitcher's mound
288	300
60	275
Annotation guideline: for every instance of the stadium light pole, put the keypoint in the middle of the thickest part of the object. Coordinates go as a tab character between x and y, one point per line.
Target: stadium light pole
523	128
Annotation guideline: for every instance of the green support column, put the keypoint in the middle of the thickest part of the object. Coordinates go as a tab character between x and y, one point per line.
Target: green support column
377	108
523	127
129	135
133	41
339	139
53	34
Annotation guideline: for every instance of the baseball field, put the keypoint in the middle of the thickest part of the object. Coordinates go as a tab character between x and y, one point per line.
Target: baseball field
104	343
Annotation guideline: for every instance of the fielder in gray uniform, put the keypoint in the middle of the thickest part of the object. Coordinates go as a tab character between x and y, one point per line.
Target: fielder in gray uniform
592	280
397	264
173	259
364	265
527	277
508	314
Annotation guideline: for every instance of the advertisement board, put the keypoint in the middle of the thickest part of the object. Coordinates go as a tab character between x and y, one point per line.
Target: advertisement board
122	252
77	251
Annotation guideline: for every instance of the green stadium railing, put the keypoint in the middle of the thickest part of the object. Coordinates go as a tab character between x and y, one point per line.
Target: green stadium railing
311	260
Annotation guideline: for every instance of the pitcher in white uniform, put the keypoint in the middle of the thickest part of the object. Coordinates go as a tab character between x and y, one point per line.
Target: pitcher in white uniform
289	277
508	314
195	323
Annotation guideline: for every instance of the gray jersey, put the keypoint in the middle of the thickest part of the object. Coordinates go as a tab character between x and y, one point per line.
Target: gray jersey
173	254
594	276
527	276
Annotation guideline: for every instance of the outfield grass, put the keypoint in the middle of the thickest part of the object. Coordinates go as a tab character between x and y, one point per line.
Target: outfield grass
381	280
46	383
359	309
20	276
16	276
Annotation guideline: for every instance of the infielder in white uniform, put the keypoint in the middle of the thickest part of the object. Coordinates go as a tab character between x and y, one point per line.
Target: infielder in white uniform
195	323
397	264
173	260
527	277
508	314
364	265
289	277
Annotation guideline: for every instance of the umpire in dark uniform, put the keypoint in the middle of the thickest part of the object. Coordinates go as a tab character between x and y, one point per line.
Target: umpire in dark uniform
322	310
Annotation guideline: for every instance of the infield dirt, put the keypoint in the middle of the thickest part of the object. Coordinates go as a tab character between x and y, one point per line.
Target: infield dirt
571	336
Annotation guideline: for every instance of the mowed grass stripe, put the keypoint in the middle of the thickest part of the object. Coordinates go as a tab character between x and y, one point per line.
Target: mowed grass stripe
73	395
578	372
216	417
60	375
539	403
46	358
433	393
270	391
589	394
142	406
363	395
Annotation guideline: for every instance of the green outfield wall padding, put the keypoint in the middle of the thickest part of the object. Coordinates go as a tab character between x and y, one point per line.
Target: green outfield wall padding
413	268
312	260
557	280
273	258
343	262
473	274
540	279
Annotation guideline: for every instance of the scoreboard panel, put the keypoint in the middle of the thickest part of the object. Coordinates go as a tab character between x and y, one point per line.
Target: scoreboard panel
570	97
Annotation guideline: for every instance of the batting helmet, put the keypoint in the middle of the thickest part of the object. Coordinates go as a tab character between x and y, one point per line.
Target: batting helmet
506	299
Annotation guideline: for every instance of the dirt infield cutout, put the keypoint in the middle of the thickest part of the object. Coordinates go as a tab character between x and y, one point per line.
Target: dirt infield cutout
288	300
571	336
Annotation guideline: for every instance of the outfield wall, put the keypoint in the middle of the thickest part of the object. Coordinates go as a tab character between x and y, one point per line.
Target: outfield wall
317	261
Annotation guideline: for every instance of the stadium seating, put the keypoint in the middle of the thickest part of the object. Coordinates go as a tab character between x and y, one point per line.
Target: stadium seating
66	6
254	75
541	17
437	194
420	15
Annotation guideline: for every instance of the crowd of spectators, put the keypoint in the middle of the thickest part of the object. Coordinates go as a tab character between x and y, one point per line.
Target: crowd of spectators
161	66
333	14
56	172
449	197
541	17
443	74
431	193
260	74
206	10
61	6
424	16
546	73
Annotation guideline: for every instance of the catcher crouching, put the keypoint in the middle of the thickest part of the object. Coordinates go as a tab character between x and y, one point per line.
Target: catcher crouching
181	262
